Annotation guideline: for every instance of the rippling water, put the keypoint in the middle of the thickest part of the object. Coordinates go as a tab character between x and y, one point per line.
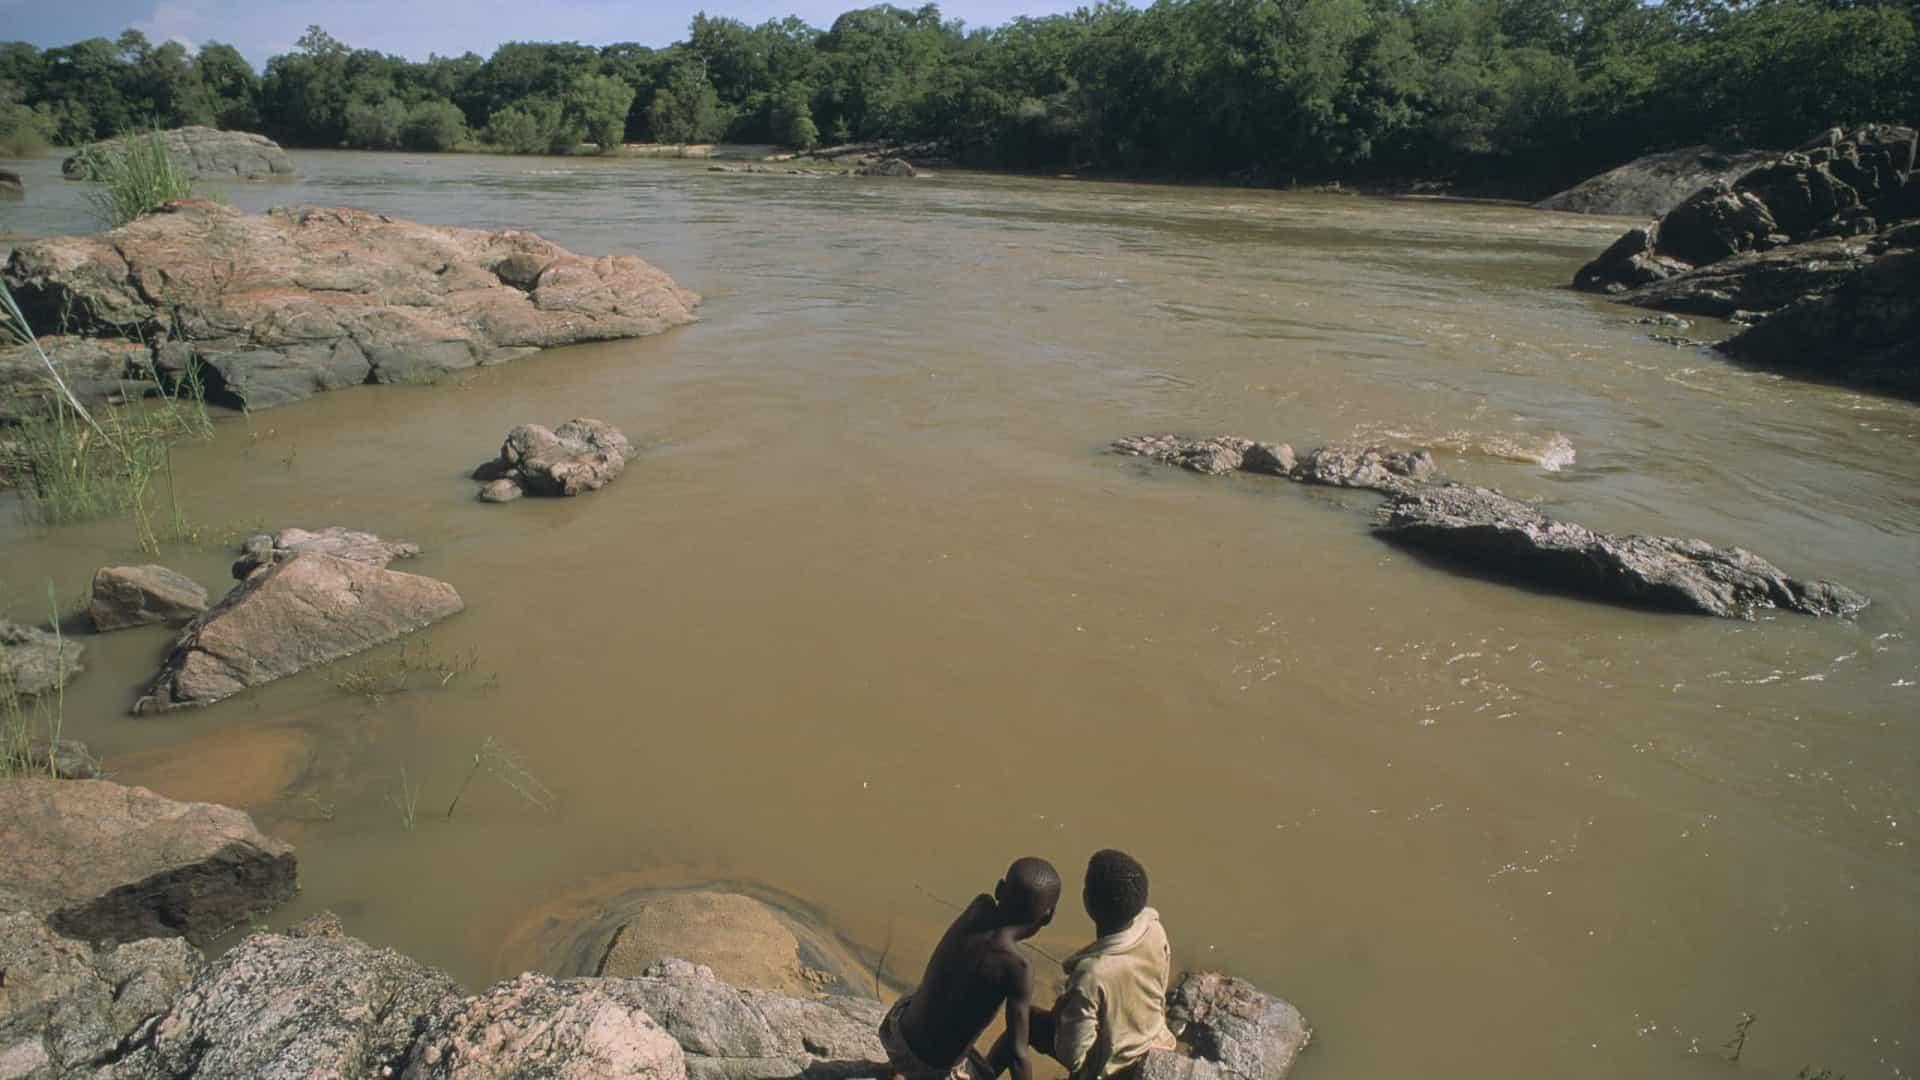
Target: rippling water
873	614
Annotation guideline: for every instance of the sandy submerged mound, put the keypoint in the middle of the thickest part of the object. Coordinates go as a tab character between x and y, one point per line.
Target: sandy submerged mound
279	306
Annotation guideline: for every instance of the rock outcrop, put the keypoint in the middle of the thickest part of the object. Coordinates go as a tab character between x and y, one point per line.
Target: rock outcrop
308	610
577	1029
202	152
1784	237
1512	540
126	596
61	759
1652	185
279	306
103	862
266	549
579	456
1229	1022
35	661
730	1033
97	370
69	1009
11	184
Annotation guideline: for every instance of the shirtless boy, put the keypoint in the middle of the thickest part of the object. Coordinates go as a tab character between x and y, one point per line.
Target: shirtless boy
1114	1008
977	967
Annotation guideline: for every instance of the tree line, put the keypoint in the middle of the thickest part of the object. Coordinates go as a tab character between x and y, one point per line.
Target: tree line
1538	91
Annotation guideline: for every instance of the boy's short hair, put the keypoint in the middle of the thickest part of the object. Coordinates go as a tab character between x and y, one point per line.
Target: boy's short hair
1116	887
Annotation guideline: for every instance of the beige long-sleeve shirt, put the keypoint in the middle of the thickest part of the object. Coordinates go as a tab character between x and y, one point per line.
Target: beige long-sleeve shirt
1115	1006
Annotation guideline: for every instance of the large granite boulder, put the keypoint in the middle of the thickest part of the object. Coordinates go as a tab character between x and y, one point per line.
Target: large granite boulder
1629	263
308	1004
1482	528
69	1009
126	596
1865	331
266	549
34	661
104	862
576	1029
579	456
201	152
1714	223
283	305
308	610
730	1033
1755	281
1652	185
1229	1022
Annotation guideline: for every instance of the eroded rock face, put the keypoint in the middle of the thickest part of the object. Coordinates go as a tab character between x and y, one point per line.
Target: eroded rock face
206	152
573	1029
68	1008
96	369
579	456
1229	1022
730	1033
104	862
35	661
308	610
307	1004
1652	185
126	596
1212	457
282	305
1483	528
1377	468
266	549
1863	332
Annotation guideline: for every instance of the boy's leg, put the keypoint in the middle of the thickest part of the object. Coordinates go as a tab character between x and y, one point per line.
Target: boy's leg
1039	1037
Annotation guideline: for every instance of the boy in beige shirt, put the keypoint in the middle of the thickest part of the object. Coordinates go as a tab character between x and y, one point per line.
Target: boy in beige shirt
1114	1008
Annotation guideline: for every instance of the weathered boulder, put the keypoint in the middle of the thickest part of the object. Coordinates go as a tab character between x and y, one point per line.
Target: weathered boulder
96	369
1757	281
1482	528
579	456
61	759
1247	1034
1716	222
1630	263
1212	457
265	549
303	1005
1863	332
574	1029
1652	185
104	862
11	184
202	152
279	306
68	1008
729	1033
1375	467
34	661
308	610
885	167
126	596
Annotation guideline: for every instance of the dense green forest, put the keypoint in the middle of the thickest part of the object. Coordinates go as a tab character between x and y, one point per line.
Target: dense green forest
1267	90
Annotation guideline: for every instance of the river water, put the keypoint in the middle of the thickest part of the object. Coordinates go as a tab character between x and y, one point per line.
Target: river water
874	614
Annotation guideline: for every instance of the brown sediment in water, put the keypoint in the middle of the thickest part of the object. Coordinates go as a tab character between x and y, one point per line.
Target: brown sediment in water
246	767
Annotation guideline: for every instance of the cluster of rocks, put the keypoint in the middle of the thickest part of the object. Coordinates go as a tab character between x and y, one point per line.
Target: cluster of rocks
201	153
881	166
271	308
579	456
1820	246
1481	528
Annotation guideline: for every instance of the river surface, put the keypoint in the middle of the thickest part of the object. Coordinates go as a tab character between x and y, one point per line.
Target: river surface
873	614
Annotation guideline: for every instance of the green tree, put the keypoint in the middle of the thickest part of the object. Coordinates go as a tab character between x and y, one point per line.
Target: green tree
792	119
598	105
376	125
686	109
434	125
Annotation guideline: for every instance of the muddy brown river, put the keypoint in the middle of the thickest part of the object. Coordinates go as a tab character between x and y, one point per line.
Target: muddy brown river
873	614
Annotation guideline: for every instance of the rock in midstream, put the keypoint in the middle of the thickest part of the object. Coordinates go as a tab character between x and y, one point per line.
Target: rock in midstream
202	153
309	610
1506	538
35	661
126	596
266	549
579	456
104	862
276	307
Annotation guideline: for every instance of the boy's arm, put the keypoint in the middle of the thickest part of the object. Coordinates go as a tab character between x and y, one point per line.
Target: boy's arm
1019	1017
1076	1019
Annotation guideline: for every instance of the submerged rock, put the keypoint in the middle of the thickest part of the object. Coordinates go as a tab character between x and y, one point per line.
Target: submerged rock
1483	528
34	661
886	167
1229	1022
574	1029
126	596
730	1033
203	152
266	549
68	1008
279	306
1212	457
1652	185
62	759
104	862
579	456
308	610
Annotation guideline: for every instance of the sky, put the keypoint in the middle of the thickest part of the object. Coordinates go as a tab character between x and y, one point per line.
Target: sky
414	28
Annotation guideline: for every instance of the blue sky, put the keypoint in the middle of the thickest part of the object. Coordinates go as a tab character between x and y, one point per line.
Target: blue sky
413	28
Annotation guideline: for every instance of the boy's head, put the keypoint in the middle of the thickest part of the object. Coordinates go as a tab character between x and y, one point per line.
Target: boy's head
1116	889
1028	894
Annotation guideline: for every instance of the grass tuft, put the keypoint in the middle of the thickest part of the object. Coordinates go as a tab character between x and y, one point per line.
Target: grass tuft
134	177
415	665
